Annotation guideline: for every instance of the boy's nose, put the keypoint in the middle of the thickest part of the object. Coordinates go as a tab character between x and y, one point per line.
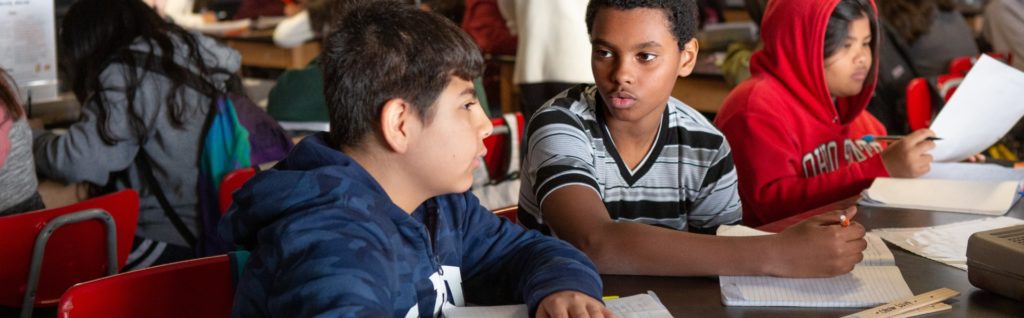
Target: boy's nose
484	124
622	73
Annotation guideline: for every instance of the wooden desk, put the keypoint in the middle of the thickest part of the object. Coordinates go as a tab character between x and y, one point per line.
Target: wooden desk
257	49
701	297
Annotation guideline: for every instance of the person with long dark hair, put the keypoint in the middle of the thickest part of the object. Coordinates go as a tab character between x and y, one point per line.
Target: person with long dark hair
17	174
790	123
146	87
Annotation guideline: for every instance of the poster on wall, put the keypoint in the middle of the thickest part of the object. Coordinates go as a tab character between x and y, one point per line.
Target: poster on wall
28	48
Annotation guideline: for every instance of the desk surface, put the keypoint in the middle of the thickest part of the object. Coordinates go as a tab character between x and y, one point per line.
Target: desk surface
701	297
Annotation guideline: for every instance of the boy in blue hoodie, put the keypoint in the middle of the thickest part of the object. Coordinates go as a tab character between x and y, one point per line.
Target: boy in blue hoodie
373	219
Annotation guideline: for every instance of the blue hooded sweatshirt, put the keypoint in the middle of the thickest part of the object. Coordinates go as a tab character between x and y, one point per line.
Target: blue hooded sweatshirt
326	240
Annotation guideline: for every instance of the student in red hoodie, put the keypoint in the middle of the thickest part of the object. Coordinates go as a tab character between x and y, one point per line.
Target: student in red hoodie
790	123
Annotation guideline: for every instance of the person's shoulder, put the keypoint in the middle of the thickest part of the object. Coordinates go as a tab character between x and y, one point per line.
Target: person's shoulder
574	107
758	94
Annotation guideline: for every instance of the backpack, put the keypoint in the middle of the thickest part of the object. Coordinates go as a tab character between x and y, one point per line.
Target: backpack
237	134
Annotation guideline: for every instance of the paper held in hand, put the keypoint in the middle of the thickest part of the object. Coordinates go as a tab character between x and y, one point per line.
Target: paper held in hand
985	107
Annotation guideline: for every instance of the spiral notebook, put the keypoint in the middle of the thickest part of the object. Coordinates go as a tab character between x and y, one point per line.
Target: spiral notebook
875	280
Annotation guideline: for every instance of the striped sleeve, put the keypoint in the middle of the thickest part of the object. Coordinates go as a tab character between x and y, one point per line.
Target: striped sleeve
559	153
717	201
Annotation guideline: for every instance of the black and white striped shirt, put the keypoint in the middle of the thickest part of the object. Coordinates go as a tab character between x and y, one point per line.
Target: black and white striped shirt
685	182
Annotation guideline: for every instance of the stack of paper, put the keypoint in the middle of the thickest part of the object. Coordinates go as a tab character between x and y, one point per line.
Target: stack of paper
636	306
944	243
875	280
964	196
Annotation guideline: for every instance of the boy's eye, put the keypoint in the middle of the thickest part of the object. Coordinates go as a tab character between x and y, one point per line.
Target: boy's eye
647	57
602	53
469	105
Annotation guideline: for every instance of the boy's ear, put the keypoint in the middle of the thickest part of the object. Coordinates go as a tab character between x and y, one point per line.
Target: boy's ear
396	121
688	57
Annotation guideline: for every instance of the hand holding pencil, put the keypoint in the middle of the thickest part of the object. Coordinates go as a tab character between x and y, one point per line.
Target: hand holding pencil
908	157
820	246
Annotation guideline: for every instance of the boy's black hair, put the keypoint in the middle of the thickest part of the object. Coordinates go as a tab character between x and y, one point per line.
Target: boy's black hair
386	50
682	15
839	24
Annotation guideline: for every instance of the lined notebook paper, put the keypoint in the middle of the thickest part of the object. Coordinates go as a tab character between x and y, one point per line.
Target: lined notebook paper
963	196
636	306
875	280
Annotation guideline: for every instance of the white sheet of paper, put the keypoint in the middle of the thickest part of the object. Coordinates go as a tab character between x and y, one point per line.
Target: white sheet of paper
973	171
875	280
985	106
636	306
946	244
963	196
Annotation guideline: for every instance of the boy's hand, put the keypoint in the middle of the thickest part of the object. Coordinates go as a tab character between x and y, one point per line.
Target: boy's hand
909	158
818	247
568	303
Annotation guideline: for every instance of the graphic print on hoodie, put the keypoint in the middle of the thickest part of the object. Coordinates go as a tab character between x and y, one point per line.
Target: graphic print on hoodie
791	139
326	240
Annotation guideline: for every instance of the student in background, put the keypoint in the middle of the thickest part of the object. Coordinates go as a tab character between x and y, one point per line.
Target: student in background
298	95
1004	28
110	49
934	30
633	177
789	124
17	172
553	48
373	219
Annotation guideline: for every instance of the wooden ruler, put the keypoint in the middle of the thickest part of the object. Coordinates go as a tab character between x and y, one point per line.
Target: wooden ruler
917	305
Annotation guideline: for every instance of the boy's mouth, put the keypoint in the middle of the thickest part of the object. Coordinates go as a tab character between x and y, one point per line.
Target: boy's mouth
622	100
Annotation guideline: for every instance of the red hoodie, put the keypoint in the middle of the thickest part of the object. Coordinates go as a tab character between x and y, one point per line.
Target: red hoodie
790	141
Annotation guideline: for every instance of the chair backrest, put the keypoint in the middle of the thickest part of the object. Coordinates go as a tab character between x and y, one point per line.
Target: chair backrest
947	85
919	98
74	253
233	181
497	158
961	65
511	213
919	104
195	288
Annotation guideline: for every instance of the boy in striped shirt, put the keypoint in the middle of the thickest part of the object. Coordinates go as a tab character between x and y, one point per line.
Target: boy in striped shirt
633	177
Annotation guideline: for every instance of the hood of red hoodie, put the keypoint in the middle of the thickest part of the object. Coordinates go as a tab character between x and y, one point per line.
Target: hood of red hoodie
799	61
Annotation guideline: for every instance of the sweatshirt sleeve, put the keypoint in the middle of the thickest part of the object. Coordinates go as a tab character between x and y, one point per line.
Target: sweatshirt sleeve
771	185
327	268
504	262
80	154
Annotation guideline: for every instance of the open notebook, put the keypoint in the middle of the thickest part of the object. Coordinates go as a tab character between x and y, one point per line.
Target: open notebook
636	306
964	196
875	280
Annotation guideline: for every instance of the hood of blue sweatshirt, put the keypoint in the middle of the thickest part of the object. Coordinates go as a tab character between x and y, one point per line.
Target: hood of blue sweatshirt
326	239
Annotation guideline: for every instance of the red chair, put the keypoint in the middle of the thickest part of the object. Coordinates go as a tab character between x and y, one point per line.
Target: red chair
919	98
498	156
195	288
80	242
961	65
510	213
233	181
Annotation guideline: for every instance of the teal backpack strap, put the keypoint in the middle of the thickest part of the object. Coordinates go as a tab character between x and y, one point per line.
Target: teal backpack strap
238	259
